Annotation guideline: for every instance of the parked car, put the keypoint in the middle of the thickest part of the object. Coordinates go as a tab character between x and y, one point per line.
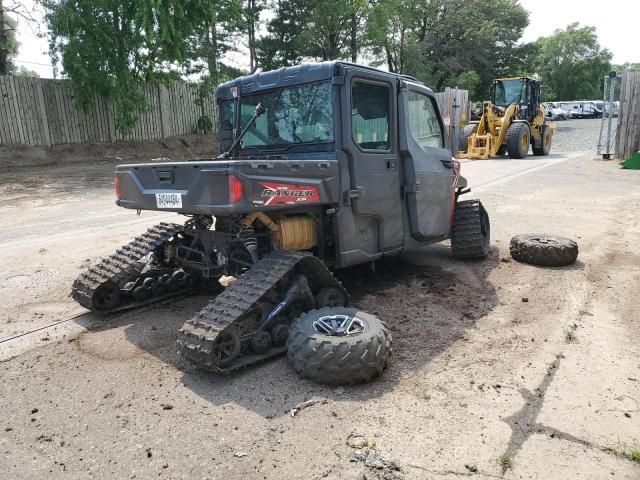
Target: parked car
553	112
581	109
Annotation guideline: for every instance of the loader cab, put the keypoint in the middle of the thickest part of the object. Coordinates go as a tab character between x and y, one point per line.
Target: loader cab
383	134
522	91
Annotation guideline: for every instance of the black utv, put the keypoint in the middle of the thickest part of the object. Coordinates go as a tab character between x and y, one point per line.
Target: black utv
324	166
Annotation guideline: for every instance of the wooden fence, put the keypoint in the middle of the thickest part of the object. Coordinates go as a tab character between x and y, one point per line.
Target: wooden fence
628	131
456	112
42	112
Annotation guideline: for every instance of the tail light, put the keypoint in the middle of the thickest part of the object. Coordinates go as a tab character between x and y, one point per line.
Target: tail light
236	189
116	187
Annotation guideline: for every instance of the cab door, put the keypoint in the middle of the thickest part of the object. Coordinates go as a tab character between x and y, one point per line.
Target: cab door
428	170
369	119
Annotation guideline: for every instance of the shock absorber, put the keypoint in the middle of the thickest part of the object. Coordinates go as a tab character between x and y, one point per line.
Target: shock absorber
248	237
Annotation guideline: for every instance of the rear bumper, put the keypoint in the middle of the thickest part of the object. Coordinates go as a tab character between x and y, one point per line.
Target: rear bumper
204	186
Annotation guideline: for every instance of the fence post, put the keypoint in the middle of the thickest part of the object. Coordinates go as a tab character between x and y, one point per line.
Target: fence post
43	115
162	105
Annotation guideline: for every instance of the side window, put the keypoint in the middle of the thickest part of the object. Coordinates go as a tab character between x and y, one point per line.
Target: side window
423	121
370	116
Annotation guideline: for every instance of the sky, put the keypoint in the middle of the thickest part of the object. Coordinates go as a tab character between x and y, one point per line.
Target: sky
615	30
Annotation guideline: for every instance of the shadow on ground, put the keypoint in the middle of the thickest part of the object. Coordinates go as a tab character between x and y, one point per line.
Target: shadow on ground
428	300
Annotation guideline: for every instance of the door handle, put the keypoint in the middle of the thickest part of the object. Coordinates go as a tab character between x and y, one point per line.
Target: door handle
447	163
392	164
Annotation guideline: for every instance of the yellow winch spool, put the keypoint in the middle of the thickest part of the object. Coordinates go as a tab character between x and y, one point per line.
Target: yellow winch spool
295	232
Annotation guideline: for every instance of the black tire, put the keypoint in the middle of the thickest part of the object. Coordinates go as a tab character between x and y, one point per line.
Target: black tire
339	359
518	140
501	151
471	231
544	250
467	131
545	144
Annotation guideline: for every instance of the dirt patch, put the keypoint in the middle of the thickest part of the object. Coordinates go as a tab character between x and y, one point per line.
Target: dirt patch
174	148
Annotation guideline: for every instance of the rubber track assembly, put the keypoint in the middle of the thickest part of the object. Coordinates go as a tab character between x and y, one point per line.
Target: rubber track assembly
197	337
121	267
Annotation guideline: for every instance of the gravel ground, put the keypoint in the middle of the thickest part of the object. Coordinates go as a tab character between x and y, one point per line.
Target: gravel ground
580	135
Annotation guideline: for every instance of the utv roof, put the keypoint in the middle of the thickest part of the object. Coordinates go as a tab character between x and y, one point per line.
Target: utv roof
298	74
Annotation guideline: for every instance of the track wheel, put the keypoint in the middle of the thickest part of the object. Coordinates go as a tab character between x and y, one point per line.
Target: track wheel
471	231
226	348
261	342
518	140
339	346
279	334
545	144
331	297
545	250
106	297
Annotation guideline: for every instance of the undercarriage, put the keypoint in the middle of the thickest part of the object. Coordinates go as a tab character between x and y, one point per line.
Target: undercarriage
267	287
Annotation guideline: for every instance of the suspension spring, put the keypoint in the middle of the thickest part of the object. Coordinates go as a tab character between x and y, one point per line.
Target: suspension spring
248	238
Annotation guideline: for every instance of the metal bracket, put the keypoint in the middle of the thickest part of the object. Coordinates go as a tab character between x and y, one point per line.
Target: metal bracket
412	188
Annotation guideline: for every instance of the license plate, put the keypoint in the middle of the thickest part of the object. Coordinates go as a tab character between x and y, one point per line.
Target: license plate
169	200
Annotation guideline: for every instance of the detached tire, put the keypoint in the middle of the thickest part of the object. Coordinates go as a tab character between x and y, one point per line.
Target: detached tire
518	140
544	250
471	231
321	351
545	144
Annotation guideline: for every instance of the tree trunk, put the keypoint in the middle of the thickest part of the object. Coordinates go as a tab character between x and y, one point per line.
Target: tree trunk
212	53
251	24
4	48
354	38
390	62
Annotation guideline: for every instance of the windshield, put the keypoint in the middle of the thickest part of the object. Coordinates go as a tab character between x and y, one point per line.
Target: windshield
295	115
508	92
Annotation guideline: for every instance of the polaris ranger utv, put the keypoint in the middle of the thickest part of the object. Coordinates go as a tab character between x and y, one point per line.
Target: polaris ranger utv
326	166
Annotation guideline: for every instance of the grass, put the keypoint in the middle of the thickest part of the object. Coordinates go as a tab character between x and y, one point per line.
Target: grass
505	461
570	335
630	452
424	395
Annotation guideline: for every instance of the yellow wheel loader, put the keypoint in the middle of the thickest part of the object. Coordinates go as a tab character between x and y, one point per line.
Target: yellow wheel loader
511	121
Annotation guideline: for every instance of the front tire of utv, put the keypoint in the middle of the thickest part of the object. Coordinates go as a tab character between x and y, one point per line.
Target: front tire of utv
518	140
358	356
471	231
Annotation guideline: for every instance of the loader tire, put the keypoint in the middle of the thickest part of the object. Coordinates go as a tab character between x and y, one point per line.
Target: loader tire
518	140
545	144
471	231
322	353
544	250
467	131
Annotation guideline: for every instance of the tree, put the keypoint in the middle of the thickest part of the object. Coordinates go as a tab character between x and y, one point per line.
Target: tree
437	41
572	64
112	46
8	27
319	30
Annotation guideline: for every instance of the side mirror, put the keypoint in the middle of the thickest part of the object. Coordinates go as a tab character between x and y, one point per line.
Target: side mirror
260	109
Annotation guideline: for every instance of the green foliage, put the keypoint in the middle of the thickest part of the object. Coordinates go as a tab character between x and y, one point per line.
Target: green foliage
440	41
323	30
112	46
572	64
25	72
204	124
8	45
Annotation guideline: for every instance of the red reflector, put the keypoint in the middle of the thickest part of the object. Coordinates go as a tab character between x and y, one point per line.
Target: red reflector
236	189
116	187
